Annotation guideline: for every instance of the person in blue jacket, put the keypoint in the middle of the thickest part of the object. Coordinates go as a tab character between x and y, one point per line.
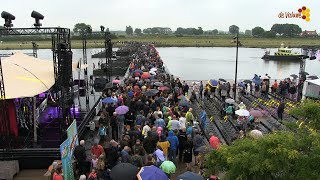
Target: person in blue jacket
174	144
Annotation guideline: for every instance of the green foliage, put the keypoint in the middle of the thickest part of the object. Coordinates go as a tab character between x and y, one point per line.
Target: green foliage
189	31
233	29
257	31
288	30
284	155
129	30
82	28
269	34
138	31
309	112
215	31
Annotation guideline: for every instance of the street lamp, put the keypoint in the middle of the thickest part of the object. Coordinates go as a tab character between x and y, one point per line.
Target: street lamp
236	40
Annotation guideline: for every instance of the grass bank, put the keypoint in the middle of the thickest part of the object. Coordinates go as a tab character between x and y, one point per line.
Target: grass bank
172	41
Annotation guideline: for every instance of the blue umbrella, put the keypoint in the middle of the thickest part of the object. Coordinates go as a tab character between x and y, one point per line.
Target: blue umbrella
130	93
213	82
184	103
151	173
190	176
138	71
108	100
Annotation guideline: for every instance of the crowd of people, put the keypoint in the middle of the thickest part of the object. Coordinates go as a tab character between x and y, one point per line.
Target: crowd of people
158	125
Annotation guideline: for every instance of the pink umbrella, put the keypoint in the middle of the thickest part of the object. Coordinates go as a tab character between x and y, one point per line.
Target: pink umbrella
116	81
256	113
163	88
214	142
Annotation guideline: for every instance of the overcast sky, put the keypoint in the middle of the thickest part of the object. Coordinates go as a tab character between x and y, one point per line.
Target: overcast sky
208	14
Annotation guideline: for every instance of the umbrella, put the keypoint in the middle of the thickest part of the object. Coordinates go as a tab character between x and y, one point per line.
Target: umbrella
182	97
138	71
229	101
153	69
305	73
168	167
184	103
152	73
223	80
151	92
256	113
203	149
130	93
247	81
163	88
294	75
151	173
25	76
124	171
145	75
313	77
265	77
213	82
108	100
242	112
116	81
190	176
214	142
158	84
121	110
256	134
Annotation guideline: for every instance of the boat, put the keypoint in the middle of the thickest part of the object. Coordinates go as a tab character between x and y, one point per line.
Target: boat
283	54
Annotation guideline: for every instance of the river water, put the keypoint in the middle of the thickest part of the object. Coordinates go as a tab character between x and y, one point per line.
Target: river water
193	63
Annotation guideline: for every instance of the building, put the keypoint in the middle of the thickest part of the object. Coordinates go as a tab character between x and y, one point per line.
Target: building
309	34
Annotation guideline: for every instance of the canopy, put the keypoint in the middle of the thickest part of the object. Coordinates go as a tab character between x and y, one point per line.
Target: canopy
26	76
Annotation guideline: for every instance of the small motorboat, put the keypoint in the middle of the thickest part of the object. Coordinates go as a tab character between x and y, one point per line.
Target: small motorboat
283	54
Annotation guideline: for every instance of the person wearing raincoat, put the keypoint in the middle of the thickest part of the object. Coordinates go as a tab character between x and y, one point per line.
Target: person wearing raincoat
203	118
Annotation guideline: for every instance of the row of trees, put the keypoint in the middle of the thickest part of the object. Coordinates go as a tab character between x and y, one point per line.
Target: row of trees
292	154
286	30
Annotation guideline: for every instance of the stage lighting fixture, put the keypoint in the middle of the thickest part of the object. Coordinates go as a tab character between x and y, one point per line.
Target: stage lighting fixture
37	16
8	19
102	28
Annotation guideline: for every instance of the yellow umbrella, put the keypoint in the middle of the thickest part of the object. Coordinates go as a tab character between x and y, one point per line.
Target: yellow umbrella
26	76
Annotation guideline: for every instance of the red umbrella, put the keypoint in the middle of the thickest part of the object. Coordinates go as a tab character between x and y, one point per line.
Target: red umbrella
145	75
214	142
163	88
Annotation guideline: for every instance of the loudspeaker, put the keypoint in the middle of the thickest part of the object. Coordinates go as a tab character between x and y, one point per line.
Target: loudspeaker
99	84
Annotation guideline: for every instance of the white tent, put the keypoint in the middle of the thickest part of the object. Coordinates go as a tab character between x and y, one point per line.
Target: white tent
311	88
26	76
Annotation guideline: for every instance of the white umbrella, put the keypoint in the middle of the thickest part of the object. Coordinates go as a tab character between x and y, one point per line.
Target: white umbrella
26	76
256	134
229	101
153	69
242	112
152	73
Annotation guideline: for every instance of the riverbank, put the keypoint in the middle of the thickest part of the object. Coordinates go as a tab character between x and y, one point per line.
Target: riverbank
173	41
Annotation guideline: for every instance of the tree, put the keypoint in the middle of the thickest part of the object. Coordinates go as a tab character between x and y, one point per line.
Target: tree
129	30
233	29
200	31
248	32
280	155
82	28
269	34
257	31
147	31
289	30
138	31
215	32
